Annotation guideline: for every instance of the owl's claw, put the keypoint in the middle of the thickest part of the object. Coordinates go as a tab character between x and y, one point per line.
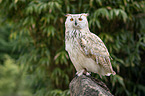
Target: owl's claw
84	71
88	74
79	73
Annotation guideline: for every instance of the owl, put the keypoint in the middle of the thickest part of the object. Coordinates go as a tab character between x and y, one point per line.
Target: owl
86	50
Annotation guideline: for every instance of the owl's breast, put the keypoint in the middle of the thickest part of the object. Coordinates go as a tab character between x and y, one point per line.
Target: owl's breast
71	45
71	42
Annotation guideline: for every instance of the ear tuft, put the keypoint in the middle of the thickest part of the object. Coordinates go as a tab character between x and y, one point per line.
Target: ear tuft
67	15
85	14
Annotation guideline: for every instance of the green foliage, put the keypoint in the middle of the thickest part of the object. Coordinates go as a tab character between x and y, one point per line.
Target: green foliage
4	41
38	33
12	80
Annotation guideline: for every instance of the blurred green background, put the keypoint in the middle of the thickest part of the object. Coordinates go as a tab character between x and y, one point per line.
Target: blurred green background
33	60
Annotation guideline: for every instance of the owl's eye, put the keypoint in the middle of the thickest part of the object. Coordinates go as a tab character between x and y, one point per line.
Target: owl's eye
71	19
80	19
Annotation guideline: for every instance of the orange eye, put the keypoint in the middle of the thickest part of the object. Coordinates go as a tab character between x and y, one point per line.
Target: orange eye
80	19
71	19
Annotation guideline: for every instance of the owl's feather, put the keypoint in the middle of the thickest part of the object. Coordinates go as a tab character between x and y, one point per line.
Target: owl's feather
85	49
93	47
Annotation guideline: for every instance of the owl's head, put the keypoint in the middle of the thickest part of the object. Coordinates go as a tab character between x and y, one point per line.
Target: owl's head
76	21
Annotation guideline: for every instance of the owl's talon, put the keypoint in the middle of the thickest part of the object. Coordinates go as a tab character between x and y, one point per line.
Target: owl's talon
88	74
83	72
80	72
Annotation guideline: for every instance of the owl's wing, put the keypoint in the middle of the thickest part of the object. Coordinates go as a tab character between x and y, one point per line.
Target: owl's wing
93	47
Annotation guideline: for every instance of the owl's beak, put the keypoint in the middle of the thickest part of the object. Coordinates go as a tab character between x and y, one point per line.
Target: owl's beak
75	23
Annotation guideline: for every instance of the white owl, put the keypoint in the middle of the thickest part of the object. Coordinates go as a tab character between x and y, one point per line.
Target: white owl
86	50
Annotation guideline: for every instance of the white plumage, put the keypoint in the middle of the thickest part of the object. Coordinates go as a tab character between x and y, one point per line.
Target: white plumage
86	50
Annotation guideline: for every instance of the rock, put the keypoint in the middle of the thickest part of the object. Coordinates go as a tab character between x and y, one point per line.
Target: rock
88	86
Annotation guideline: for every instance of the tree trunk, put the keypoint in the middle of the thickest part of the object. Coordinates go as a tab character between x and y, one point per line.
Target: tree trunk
88	86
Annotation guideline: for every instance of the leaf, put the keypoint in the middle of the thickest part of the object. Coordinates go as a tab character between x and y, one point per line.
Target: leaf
16	1
141	87
101	12
99	2
124	15
120	80
61	57
118	13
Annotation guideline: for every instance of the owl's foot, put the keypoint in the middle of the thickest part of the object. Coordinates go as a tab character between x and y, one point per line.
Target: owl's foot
84	71
79	73
88	73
